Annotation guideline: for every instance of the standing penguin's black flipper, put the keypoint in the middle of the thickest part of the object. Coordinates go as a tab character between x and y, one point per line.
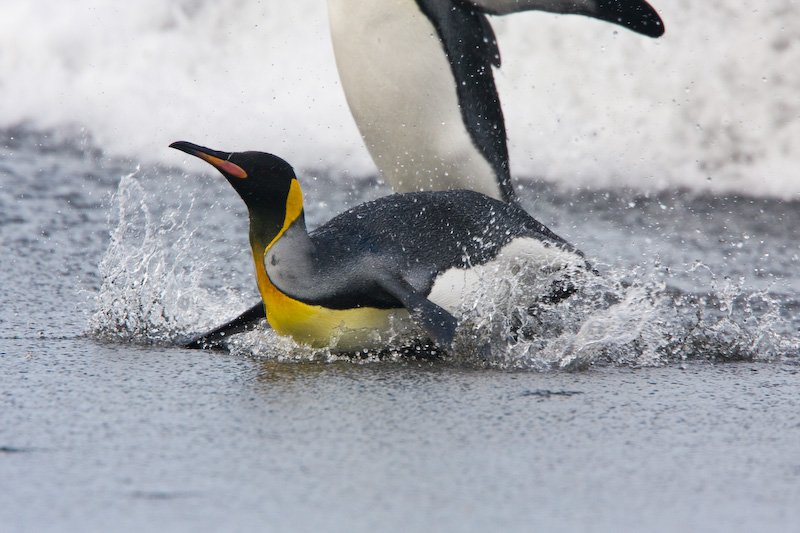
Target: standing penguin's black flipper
437	322
244	322
418	78
635	15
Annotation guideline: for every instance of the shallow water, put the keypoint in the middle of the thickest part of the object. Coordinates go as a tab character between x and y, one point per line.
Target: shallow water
99	437
105	424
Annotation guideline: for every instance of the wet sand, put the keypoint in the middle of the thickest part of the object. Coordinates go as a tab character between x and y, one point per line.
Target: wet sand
101	437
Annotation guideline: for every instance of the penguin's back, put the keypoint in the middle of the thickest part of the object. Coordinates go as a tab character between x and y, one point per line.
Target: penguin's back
432	224
417	255
421	236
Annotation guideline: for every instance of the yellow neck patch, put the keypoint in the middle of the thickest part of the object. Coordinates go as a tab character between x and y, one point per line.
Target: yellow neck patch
283	313
279	306
307	324
294	206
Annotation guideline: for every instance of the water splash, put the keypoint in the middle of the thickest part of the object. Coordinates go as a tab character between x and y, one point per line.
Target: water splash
732	323
152	274
156	289
611	320
642	322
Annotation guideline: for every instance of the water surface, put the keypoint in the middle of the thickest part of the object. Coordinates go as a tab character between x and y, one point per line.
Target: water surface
126	431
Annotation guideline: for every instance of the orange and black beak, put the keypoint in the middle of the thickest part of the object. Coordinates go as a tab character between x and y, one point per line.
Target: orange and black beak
217	159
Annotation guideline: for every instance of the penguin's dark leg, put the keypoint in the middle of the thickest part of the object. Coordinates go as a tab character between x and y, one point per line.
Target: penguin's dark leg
437	322
244	322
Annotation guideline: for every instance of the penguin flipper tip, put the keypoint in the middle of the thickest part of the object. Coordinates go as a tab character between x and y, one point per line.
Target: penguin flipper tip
439	324
636	15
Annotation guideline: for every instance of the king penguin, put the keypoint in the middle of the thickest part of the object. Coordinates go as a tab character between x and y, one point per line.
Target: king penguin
417	76
404	258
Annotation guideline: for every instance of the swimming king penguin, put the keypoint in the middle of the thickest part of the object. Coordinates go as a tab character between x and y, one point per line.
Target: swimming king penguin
417	75
401	257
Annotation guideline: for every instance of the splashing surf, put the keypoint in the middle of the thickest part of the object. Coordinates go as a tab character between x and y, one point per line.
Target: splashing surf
155	290
152	290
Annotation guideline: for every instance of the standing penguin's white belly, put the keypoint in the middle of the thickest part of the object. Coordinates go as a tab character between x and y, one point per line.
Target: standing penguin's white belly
402	94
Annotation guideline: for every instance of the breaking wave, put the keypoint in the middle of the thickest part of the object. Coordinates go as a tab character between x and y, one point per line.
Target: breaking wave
712	106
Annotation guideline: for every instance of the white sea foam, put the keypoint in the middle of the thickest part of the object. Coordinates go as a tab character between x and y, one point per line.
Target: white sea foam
710	106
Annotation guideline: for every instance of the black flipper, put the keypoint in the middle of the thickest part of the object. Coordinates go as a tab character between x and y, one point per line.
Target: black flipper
471	47
635	15
244	322
437	322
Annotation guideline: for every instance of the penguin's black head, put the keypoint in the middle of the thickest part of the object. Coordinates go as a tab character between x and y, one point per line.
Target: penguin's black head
267	185
262	180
